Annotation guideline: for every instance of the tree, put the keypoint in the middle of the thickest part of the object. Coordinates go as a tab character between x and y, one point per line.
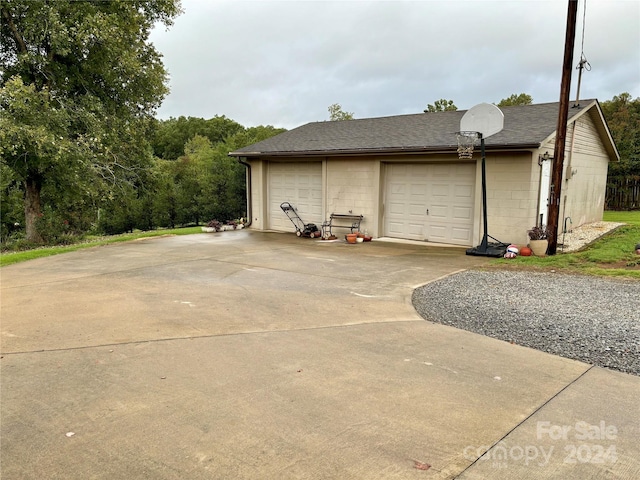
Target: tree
251	135
165	197
623	118
201	184
441	105
79	83
11	204
336	113
516	99
171	136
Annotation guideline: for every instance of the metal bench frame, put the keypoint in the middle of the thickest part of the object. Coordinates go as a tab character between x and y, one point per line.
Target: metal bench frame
341	220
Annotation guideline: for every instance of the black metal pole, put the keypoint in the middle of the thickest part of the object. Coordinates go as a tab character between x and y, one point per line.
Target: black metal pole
485	235
484	249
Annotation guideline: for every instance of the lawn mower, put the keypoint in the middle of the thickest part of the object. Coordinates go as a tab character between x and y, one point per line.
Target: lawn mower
302	229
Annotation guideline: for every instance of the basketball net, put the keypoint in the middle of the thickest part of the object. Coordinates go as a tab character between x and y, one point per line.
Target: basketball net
466	142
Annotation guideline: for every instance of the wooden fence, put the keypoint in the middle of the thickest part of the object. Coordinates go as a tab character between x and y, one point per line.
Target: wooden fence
623	193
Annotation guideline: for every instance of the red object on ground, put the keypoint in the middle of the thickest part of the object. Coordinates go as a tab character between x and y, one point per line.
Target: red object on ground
525	252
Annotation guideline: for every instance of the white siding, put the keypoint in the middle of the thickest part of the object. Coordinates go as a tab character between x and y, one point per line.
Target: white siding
585	176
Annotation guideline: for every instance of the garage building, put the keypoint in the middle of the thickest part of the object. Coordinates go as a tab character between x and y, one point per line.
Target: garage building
403	174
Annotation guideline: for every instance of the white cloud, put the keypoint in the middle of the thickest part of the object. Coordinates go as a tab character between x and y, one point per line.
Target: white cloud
283	63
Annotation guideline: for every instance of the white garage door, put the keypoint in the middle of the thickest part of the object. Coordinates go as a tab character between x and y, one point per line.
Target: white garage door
300	184
430	202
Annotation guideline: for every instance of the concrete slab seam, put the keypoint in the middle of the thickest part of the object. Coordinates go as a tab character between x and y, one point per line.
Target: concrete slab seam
413	287
221	335
535	411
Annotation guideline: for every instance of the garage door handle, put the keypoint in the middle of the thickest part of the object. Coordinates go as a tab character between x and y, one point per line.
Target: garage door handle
427	211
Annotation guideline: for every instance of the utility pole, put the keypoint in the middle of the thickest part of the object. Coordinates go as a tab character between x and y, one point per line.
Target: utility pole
561	129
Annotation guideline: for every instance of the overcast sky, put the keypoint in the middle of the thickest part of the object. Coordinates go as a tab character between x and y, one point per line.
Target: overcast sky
283	63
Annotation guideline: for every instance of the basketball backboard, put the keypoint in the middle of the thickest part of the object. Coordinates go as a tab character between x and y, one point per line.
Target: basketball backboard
484	118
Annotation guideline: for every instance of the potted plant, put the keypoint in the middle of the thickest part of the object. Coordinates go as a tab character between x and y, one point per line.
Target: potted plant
539	240
212	226
231	225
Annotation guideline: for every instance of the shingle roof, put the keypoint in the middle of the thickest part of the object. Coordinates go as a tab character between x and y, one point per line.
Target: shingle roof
524	126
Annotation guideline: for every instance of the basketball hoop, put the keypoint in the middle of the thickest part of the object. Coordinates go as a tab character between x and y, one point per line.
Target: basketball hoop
478	123
466	142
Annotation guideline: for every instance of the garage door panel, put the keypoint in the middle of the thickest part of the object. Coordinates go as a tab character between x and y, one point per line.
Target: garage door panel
463	170
461	235
300	184
440	190
396	208
397	188
463	191
438	233
416	229
417	190
462	214
304	180
439	212
436	203
416	209
396	228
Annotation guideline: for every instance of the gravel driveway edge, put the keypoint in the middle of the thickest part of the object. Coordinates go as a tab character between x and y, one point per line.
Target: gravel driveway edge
591	319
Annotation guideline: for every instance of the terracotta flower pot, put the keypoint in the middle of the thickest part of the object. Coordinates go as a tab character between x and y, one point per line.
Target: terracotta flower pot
351	237
539	247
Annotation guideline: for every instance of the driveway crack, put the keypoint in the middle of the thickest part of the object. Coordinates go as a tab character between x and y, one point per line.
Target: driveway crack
519	424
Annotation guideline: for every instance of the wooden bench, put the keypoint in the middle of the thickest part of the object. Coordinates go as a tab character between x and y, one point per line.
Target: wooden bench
341	220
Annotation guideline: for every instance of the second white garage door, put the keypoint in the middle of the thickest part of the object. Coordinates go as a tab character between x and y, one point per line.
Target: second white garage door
300	184
430	202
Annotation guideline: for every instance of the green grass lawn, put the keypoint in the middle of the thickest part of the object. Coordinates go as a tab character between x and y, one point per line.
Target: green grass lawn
9	258
632	218
612	255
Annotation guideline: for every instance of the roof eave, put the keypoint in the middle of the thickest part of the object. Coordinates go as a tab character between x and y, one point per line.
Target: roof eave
377	151
600	125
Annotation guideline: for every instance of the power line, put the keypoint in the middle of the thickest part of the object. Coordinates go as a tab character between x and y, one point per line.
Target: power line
583	64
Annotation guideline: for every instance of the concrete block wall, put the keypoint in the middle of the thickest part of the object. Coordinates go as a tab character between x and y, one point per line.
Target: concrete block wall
354	185
258	207
512	196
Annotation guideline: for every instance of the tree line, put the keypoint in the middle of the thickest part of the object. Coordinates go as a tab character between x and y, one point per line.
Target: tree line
189	179
623	181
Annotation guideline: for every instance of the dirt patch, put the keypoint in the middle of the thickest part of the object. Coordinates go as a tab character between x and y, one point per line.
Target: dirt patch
634	266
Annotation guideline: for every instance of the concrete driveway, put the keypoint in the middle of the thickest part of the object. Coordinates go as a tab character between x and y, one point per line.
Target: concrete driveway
261	355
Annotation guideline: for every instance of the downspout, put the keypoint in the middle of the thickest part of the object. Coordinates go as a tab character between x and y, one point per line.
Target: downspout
248	180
